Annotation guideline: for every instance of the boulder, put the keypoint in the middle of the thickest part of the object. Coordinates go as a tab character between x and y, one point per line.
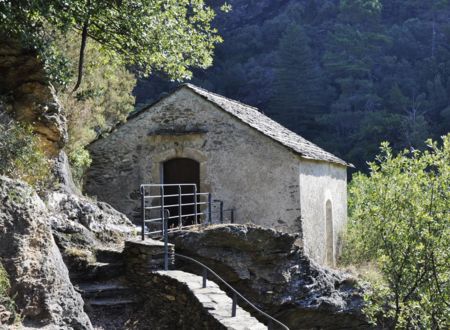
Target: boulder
95	221
270	268
39	278
82	226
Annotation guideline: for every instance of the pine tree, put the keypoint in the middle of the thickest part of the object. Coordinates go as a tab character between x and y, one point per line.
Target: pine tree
299	86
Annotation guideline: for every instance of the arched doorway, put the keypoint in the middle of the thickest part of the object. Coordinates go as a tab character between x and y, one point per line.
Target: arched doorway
329	233
180	170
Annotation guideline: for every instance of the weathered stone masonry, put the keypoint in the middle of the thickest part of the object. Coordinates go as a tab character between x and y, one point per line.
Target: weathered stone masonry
268	183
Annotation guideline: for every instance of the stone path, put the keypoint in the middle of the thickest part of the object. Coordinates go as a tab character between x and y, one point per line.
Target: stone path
216	301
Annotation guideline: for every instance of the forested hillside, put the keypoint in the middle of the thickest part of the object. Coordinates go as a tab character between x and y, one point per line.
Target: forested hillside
344	74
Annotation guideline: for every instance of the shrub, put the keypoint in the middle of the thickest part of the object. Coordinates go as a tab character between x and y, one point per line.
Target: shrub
7	307
400	220
20	154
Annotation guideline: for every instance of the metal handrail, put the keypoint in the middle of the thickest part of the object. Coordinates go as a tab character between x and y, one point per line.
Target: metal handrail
144	185
176	195
203	217
173	205
235	292
206	269
162	206
174	217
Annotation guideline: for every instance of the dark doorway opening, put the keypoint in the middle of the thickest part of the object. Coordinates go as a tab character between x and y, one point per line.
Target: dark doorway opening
176	171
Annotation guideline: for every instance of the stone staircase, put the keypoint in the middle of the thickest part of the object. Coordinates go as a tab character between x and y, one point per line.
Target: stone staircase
216	301
111	300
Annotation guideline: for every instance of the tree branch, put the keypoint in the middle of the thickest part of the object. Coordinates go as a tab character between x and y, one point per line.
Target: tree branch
84	35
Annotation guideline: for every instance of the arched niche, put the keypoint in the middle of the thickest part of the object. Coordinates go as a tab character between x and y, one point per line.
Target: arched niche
329	233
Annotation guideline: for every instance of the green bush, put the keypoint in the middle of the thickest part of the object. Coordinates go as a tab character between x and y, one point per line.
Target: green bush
20	154
80	160
400	221
5	299
4	282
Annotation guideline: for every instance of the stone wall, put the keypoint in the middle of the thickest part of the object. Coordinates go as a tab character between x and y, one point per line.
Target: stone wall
321	182
143	257
247	170
170	304
166	302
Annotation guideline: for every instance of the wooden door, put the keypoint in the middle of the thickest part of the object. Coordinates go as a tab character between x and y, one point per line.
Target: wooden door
178	171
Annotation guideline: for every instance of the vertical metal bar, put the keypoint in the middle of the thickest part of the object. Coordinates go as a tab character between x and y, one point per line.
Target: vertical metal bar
166	239
143	212
205	276
232	215
180	209
209	208
195	204
221	211
161	192
233	307
270	325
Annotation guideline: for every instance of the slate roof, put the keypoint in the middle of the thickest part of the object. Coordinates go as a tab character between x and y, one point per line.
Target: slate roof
255	119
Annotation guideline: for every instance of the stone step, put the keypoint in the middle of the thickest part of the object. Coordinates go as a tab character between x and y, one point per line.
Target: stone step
113	288
216	302
99	271
109	255
109	302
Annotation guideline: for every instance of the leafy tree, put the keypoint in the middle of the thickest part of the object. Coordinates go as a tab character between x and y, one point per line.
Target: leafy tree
162	35
400	220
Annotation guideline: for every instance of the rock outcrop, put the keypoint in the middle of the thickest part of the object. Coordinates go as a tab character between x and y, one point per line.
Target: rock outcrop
29	96
82	226
269	268
39	278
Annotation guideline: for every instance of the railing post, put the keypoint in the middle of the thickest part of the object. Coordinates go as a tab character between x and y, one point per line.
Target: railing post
209	208
232	215
142	189
180	209
233	307
195	205
166	239
161	192
205	276
270	325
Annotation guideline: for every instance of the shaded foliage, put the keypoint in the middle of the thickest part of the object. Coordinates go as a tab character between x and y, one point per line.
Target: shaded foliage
102	100
380	69
170	36
20	154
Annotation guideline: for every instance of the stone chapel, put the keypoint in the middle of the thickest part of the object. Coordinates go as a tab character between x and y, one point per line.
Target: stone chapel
268	174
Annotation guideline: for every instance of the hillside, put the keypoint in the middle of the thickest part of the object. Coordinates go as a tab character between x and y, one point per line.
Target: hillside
344	74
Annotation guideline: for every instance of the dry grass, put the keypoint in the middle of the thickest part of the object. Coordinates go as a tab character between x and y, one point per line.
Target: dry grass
80	254
367	272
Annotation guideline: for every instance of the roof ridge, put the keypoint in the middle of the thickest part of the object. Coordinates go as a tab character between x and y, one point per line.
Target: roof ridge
192	86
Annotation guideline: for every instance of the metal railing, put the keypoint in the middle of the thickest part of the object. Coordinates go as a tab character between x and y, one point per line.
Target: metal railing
201	207
272	322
